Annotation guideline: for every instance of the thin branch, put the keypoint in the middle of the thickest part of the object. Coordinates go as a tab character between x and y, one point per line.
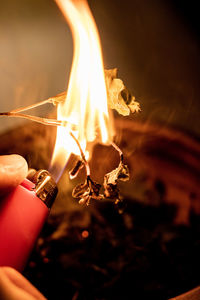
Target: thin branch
53	100
82	155
45	121
118	150
17	110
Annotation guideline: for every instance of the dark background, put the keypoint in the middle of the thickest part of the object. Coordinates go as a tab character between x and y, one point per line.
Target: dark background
154	44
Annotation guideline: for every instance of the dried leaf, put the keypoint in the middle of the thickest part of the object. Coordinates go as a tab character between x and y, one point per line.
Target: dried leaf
111	180
111	191
119	97
87	191
80	189
120	173
75	170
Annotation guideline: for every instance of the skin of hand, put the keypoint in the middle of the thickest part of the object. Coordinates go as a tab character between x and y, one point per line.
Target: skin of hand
13	170
13	286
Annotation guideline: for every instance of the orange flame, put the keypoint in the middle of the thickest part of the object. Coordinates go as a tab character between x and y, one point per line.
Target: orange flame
86	100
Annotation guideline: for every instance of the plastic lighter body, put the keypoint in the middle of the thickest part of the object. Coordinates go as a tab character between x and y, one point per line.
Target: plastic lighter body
22	215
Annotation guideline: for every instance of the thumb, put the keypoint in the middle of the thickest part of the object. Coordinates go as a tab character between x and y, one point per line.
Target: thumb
13	170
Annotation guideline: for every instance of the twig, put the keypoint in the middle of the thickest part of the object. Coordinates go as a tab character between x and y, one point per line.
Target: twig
53	100
119	151
30	106
45	121
82	155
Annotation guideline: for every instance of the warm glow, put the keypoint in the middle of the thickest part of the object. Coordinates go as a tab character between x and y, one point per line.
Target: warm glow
86	100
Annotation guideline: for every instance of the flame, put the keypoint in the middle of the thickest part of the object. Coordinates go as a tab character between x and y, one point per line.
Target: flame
85	105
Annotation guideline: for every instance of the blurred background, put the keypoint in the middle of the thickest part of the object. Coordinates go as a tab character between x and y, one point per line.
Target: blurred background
154	44
149	247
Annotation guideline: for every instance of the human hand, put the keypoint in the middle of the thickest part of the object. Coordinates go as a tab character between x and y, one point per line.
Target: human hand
14	286
13	170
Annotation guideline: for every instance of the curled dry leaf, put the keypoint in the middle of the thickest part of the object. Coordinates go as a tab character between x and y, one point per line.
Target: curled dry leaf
119	97
120	173
87	191
111	180
75	170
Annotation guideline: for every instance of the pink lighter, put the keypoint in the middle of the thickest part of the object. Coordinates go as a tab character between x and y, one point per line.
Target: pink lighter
22	215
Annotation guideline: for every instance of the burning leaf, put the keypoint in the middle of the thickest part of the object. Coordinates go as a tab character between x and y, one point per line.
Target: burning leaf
78	166
111	180
87	191
119	97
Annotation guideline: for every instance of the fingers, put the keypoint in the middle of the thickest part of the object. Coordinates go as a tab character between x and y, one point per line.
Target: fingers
14	286
13	170
9	291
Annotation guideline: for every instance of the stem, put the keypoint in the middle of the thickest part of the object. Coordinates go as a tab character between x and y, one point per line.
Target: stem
17	110
119	151
44	121
87	167
53	100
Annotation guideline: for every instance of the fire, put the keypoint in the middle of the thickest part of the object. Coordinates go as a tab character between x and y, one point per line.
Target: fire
85	107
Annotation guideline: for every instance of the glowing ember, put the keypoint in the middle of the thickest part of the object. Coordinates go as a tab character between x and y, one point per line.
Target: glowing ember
86	100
